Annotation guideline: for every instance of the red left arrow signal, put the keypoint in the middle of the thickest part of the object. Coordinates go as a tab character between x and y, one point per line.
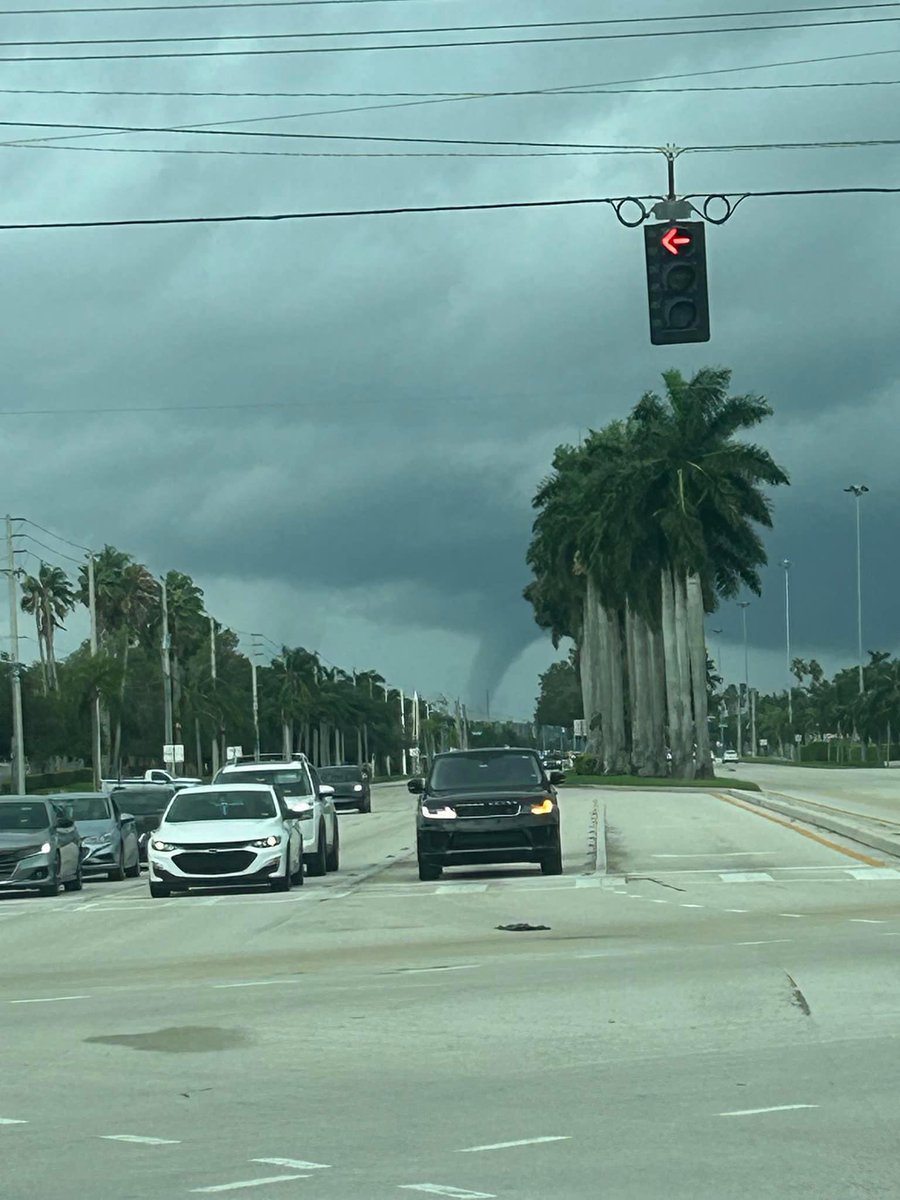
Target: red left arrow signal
673	238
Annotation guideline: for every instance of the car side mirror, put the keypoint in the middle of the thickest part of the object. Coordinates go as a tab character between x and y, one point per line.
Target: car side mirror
65	823
416	785
557	777
325	789
300	808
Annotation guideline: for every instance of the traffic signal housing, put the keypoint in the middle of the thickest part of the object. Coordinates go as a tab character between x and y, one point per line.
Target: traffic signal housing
676	282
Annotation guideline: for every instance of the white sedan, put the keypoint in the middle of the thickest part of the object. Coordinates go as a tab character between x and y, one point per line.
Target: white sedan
227	834
730	756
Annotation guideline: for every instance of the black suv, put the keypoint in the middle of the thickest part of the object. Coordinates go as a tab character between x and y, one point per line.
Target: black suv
487	806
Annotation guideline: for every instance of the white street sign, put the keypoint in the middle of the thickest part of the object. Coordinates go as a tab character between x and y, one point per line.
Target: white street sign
174	754
579	730
232	752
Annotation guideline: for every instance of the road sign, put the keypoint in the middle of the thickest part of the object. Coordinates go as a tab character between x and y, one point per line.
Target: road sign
232	752
580	729
676	282
764	741
174	754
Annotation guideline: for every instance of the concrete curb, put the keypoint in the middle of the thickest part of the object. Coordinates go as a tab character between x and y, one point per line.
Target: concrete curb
597	838
808	814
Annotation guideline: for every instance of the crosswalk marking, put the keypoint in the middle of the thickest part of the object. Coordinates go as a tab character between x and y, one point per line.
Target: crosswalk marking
746	877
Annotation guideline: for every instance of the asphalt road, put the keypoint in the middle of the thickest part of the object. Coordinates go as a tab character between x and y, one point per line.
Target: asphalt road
717	1024
870	792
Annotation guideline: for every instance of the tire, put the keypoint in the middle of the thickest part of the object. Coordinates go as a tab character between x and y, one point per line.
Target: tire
135	871
429	870
159	891
366	806
333	858
118	873
282	883
299	878
552	863
317	864
52	889
76	884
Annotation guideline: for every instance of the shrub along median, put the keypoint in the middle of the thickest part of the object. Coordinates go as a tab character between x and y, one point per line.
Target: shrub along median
637	781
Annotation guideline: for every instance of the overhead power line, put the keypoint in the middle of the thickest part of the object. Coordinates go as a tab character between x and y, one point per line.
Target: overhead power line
251	4
133	222
495	27
455	45
50	533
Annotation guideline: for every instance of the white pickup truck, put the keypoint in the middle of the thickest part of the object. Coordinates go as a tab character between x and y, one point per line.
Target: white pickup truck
154	775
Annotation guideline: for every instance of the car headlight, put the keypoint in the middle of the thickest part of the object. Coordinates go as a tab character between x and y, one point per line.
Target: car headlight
46	848
271	840
541	810
164	846
357	787
99	839
442	813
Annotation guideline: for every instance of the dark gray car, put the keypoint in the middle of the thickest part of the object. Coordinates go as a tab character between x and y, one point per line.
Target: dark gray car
40	846
109	837
351	786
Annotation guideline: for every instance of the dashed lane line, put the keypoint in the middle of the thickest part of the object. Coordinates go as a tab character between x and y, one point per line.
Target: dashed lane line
138	1140
767	942
47	999
11	1121
437	1189
250	1183
296	1163
753	1112
535	1141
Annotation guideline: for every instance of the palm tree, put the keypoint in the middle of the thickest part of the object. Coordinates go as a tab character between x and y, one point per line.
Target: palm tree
48	597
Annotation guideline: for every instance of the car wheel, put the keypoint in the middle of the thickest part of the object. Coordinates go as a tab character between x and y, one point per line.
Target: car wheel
551	863
366	806
52	888
317	864
135	871
429	870
333	861
76	884
118	872
299	877
159	891
282	883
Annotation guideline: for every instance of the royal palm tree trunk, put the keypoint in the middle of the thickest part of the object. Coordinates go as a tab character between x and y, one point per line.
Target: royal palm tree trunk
117	743
615	749
682	648
644	750
697	646
656	684
675	691
359	744
594	673
49	630
39	626
199	745
287	737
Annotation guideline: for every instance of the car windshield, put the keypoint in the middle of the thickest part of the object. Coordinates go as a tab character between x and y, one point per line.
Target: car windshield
460	772
84	808
290	781
23	817
143	802
225	805
340	774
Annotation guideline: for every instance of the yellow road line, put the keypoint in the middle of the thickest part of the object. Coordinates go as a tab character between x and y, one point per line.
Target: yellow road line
816	837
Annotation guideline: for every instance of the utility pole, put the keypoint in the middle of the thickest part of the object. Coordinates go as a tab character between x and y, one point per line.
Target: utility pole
213	677
858	490
255	705
743	605
96	746
18	730
403	765
786	563
753	722
167	667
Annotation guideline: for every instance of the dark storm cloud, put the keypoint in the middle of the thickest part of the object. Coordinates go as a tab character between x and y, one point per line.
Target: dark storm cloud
428	365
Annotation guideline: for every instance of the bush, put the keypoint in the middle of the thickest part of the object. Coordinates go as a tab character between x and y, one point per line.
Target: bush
846	752
53	781
588	764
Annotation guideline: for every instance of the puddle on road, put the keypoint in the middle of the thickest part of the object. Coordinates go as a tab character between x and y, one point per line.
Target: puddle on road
181	1039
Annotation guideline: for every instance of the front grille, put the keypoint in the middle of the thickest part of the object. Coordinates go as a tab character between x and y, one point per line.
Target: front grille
9	858
513	839
487	808
227	862
215	846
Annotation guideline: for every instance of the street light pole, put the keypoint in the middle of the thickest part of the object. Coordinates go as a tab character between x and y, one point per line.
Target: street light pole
18	724
167	668
786	563
743	605
858	490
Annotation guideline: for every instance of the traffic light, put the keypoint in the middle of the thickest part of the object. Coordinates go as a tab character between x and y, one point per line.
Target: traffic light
676	282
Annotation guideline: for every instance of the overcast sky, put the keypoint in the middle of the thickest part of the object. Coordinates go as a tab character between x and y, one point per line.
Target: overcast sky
427	365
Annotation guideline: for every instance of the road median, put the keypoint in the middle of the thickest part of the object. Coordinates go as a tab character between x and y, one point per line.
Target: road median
865	831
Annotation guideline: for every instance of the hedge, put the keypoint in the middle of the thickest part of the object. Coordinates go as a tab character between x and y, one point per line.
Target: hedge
51	781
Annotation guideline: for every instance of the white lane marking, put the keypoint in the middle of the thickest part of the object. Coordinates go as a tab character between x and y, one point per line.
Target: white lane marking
423	970
48	999
752	1112
523	1142
799	916
141	1141
588	881
11	1121
737	910
865	921
890	935
729	854
444	889
874	872
746	877
436	1189
693	906
249	1183
296	1163
770	942
653	900
255	983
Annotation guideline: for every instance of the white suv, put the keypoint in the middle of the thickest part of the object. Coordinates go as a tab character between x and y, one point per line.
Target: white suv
297	781
226	834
